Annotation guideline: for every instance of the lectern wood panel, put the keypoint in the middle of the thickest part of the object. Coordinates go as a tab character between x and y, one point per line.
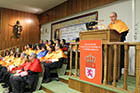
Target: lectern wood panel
104	35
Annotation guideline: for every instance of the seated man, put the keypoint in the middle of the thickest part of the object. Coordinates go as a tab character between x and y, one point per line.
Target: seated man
27	76
55	61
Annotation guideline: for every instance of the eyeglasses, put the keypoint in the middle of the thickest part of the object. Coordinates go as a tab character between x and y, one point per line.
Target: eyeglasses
112	16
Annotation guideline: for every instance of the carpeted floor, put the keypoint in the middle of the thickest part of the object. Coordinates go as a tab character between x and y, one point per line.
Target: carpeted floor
1	89
58	87
131	83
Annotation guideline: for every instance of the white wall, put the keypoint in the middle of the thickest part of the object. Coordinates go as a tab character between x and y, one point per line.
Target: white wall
137	21
123	8
136	33
46	35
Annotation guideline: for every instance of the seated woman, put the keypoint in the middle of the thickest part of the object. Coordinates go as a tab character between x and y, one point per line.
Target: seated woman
57	42
58	53
51	43
7	55
14	61
25	49
27	76
29	49
54	62
74	47
42	53
46	43
38	49
49	55
2	60
64	45
8	59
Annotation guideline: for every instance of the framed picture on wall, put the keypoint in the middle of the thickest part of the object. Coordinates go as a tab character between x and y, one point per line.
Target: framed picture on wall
71	24
57	34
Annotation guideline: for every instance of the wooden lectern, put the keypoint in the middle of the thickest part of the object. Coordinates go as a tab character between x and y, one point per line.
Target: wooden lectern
107	35
104	35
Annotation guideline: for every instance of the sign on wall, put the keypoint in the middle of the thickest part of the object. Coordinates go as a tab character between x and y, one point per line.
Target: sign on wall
72	32
72	24
91	61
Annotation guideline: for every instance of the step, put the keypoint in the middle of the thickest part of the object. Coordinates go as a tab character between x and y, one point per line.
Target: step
57	87
64	78
1	88
84	86
40	91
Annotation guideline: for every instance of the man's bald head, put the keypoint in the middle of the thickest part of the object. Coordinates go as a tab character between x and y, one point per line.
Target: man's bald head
113	17
114	13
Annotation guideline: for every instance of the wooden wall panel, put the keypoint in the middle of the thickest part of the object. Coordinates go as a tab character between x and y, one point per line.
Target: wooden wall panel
29	22
70	7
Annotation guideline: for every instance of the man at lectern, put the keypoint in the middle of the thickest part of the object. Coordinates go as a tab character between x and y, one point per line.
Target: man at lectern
121	28
118	25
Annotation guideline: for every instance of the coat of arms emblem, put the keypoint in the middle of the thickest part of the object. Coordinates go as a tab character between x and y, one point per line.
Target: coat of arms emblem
90	70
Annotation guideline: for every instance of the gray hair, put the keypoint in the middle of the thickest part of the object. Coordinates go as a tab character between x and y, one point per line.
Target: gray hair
33	55
23	54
